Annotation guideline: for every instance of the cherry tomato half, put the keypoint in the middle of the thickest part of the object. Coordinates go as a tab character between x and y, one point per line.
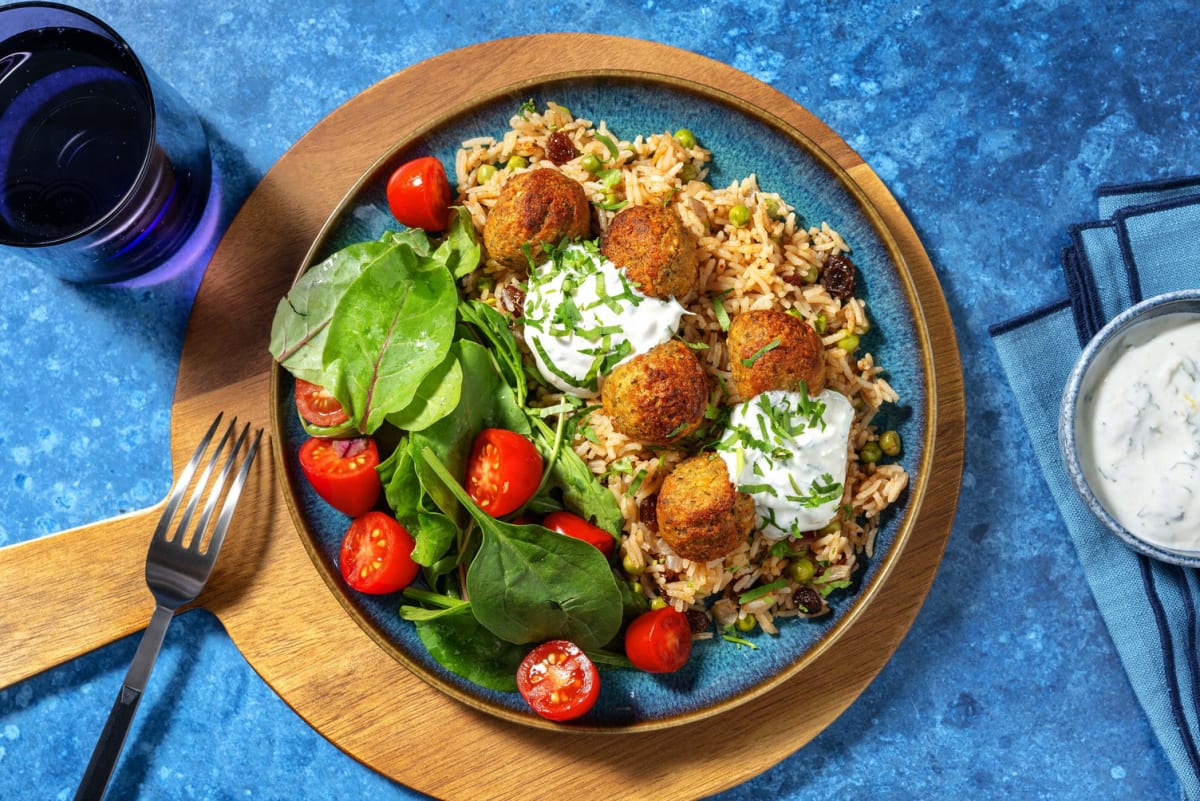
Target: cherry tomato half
418	194
558	681
659	641
503	472
377	554
318	406
575	526
342	471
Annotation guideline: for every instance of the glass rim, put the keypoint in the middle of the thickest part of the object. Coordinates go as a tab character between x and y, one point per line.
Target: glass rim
142	77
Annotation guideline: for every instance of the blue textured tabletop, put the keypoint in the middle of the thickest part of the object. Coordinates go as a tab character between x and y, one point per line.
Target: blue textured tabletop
992	129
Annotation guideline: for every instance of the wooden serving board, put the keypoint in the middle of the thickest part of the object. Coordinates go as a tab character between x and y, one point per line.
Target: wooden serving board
277	608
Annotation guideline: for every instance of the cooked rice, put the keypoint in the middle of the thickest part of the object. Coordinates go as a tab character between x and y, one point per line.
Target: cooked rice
759	266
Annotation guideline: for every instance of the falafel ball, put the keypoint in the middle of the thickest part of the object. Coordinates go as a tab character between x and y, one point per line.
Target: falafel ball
656	251
657	397
535	207
770	350
701	514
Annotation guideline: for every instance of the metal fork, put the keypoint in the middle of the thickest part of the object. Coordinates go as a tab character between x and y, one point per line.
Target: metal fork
177	567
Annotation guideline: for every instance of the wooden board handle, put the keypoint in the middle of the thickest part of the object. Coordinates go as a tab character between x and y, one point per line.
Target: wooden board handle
72	592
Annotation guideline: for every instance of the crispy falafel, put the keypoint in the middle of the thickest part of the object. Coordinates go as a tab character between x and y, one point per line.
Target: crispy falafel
656	251
701	514
770	349
657	397
538	207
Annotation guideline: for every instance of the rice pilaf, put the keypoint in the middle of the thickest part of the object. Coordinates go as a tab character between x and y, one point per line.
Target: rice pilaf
770	262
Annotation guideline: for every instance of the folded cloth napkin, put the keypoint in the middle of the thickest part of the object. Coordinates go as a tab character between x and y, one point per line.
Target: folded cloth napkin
1145	243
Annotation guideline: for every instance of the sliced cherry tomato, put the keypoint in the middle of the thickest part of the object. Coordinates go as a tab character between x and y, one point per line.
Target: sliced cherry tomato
318	406
659	641
418	194
503	472
377	554
558	681
342	471
575	526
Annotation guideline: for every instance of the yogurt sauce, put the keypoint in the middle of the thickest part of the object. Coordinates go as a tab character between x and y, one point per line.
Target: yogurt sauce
788	452
583	317
1139	431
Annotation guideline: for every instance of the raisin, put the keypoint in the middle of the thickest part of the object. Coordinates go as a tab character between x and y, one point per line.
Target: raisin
648	512
698	619
838	277
514	300
808	600
559	148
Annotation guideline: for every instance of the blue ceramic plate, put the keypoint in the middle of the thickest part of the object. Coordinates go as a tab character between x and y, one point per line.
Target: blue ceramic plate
743	140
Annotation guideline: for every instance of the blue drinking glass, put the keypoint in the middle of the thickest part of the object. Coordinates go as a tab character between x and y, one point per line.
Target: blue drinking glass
104	170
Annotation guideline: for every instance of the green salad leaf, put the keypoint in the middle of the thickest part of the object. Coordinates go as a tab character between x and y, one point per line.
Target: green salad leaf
529	584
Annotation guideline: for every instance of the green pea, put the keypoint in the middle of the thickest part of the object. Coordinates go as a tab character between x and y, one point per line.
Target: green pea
516	163
658	603
889	443
772	206
591	163
485	173
685	138
848	343
688	173
870	453
631	567
746	623
801	570
739	216
832	527
820	324
485	282
811	274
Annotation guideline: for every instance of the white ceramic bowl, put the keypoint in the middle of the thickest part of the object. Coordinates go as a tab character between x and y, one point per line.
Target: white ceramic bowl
1094	358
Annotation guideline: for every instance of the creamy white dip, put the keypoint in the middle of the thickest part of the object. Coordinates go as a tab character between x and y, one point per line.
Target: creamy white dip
1139	431
583	317
788	452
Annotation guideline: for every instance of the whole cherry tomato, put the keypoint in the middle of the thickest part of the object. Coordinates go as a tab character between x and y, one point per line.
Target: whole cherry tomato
659	641
503	471
418	194
558	681
318	406
376	555
342	471
575	526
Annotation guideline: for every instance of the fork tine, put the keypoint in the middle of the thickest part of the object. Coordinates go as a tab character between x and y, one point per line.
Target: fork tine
181	484
231	498
201	483
215	493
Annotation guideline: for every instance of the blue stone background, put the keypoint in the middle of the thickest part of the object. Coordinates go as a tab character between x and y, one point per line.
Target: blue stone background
992	128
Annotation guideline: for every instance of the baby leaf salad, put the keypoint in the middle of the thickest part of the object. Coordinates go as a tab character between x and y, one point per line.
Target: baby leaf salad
426	380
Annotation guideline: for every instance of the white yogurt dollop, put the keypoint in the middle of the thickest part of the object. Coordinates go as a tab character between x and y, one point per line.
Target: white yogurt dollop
1139	431
583	317
788	452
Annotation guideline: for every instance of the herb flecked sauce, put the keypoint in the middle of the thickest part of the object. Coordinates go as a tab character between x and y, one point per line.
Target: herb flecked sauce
1139	431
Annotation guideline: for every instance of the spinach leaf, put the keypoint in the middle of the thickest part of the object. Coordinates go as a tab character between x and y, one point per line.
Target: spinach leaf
485	401
436	396
460	253
462	645
302	317
401	488
529	584
580	490
492	326
392	326
436	533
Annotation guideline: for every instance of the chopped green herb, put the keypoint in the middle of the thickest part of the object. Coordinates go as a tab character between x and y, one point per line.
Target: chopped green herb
636	484
527	108
761	590
719	310
610	144
764	350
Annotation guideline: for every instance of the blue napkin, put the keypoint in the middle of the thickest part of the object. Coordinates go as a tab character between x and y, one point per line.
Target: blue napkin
1146	242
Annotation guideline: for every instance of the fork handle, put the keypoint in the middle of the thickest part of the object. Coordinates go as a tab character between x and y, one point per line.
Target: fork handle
112	739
